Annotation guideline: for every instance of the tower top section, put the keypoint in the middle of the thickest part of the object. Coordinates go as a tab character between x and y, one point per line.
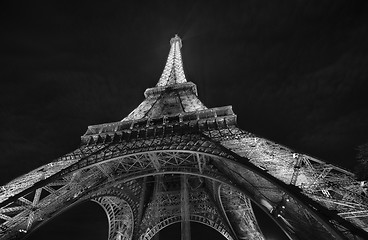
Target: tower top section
173	72
173	101
176	39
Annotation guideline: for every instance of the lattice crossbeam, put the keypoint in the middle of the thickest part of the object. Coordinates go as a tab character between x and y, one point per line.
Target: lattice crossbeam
332	186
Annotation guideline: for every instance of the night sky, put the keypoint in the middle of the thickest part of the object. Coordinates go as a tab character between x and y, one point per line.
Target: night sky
295	72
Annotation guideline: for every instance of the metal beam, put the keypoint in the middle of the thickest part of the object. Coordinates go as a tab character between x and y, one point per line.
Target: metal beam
185	212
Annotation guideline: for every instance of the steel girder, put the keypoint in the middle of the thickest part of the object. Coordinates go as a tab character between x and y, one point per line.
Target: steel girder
165	209
194	154
26	211
332	187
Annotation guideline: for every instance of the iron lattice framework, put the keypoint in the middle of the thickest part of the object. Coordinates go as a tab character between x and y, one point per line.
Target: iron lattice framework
174	160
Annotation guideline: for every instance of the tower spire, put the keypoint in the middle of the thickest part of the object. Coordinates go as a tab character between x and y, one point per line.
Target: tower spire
172	94
173	72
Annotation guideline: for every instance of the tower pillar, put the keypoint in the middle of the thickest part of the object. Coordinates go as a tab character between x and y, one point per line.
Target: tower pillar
185	211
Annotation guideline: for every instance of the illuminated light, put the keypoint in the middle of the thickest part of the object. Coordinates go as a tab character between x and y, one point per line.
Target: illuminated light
173	72
266	204
263	168
283	207
278	215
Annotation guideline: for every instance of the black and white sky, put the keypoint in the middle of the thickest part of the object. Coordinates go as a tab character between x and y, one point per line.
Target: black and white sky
295	71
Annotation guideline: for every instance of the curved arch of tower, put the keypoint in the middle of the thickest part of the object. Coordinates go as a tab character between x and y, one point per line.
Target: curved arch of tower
174	160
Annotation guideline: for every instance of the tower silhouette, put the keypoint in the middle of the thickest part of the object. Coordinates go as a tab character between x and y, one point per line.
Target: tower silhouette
174	160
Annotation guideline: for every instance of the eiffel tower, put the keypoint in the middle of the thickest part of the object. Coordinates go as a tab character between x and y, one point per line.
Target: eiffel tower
173	160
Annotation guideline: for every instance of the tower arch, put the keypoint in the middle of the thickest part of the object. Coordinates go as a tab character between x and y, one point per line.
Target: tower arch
216	225
119	215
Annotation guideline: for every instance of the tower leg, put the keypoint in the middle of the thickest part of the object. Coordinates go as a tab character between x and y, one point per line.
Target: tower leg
185	222
119	215
158	180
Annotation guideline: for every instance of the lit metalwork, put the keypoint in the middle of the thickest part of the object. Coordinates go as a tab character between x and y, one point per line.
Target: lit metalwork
173	72
119	215
174	160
